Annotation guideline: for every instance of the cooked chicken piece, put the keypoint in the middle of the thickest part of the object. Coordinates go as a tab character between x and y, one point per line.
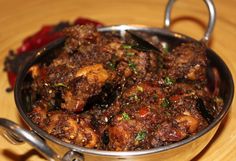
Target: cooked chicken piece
94	74
69	128
122	135
170	133
79	36
87	136
38	115
188	122
88	82
62	125
187	61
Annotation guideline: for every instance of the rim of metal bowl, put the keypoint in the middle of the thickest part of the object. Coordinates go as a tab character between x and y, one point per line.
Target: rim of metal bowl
43	134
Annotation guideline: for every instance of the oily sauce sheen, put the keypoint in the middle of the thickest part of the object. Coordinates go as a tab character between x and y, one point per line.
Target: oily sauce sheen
106	93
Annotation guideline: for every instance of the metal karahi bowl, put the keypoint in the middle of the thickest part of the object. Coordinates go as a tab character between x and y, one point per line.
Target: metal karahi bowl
56	150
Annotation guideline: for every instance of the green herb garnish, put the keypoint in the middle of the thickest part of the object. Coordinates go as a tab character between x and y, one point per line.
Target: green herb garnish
155	97
60	85
133	97
125	116
165	47
111	65
130	54
168	81
165	103
141	136
133	67
127	46
140	89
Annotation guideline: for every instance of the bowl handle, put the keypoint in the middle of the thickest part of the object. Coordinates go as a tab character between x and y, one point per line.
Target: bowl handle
17	135
211	22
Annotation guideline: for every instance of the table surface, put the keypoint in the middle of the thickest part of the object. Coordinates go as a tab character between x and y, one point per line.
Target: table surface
21	18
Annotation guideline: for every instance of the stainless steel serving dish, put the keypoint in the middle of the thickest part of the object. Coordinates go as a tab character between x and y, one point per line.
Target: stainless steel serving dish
56	150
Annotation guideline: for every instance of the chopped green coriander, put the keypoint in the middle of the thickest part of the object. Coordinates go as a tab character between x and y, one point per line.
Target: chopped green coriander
155	97
165	47
133	97
125	116
131	64
141	136
140	89
130	54
111	65
133	67
166	50
165	103
60	85
168	81
127	46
